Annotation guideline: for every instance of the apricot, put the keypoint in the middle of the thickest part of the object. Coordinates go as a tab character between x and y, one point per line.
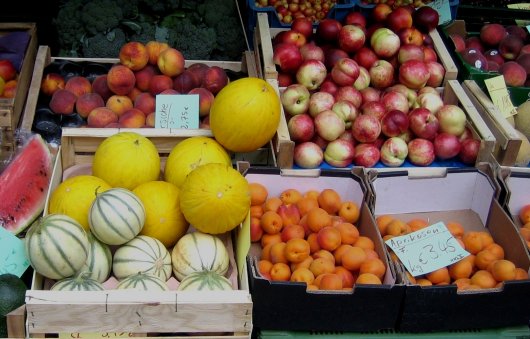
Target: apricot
313	243
271	222
302	274
329	238
330	281
278	253
438	276
339	252
329	200
292	232
318	218
289	214
280	272
349	233
368	278
503	270
290	196
348	278
349	211
296	250
269	239
353	258
258	193
484	279
375	266
364	242
321	265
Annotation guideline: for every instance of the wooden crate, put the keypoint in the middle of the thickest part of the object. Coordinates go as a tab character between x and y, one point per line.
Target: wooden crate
262	156
507	140
267	69
224	314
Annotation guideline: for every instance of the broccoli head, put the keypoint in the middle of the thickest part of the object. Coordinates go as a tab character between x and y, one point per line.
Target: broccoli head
101	16
196	41
230	40
157	6
146	33
215	11
104	45
68	24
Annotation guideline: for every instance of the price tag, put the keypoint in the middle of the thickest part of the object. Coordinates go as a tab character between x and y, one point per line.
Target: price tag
90	335
444	10
499	95
178	111
523	6
243	245
427	249
12	255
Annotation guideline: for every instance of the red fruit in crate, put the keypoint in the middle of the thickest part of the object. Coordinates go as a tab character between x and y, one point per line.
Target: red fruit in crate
303	25
469	151
287	57
328	29
7	70
398	19
491	34
426	18
355	18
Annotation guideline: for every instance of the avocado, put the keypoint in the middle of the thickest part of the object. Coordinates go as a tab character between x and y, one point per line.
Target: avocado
12	296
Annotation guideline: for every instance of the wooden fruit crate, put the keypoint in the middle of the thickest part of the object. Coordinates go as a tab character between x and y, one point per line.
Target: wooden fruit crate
223	314
507	140
262	156
264	57
11	109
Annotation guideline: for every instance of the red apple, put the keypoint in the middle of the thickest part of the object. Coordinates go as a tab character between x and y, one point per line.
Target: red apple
287	57
363	80
345	72
452	119
414	74
366	128
458	41
332	55
366	155
423	123
351	38
510	47
395	100
295	99
381	74
474	42
312	51
469	151
308	155
394	151
426	18
355	18
311	74
329	125
370	94
319	102
339	153
492	33
365	57
385	42
446	146
494	55
394	123
303	25
436	74
350	94
421	152
398	19
328	29
374	108
301	128
380	12
410	35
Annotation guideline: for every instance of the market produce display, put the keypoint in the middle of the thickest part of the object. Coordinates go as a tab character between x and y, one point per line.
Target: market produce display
289	10
8	79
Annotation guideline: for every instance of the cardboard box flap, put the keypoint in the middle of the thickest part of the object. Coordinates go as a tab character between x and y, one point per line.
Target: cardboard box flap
460	189
518	184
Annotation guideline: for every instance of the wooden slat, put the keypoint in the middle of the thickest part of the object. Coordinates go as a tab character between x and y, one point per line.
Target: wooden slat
263	47
15	323
451	70
283	145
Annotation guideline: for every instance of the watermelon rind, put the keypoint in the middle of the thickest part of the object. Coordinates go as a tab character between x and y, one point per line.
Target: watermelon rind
24	185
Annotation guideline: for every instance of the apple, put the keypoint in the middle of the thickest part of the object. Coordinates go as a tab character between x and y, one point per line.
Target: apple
467	134
366	155
328	30
308	155
321	142
432	101
409	93
285	79
295	99
458	41
395	100
423	123
430	54
339	153
329	86
436	73
394	151
394	123
311	73
370	94
349	93
319	102
373	108
303	25
301	128
469	150
410	52
426	18
421	152
365	57
380	12
446	146
366	128
398	19
414	74
407	136
452	119
346	110
355	18
385	42
381	74
7	70
410	35
293	37
329	125
332	55
312	51
363	80
287	57
351	38
345	72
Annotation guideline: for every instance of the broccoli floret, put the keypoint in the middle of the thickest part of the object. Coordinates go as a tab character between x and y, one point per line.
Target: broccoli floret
101	16
68	24
146	33
230	42
104	45
129	8
157	6
215	11
195	40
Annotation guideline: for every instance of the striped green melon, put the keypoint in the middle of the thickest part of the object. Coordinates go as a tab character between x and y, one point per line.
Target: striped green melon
143	282
142	254
56	246
99	261
79	282
197	251
205	281
116	216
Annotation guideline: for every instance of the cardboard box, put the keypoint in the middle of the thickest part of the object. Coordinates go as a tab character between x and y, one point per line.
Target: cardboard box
507	140
262	156
11	109
226	314
289	306
468	196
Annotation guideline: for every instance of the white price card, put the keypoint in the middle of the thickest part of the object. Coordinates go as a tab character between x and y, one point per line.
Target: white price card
427	249
178	111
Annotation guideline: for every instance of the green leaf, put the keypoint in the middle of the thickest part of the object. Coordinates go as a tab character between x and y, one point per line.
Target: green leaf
133	25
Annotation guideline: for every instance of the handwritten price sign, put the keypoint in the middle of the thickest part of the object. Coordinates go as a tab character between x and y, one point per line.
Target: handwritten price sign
428	249
12	255
95	335
177	111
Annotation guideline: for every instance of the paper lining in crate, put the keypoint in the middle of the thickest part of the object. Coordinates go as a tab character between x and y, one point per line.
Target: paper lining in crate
221	313
11	109
262	156
263	51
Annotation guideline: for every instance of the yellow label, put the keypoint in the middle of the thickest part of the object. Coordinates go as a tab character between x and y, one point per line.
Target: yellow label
499	95
94	335
243	245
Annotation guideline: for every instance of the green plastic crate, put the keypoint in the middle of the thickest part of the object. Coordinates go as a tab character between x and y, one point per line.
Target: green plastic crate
518	332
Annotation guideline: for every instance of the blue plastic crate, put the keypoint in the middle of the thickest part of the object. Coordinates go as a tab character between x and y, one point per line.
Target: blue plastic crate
338	12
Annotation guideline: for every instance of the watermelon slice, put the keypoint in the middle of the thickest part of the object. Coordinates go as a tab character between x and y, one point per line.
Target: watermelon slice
24	185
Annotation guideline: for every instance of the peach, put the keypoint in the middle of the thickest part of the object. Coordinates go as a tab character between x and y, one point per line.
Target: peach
7	70
206	99
52	82
10	89
429	54
215	78
329	238
119	104
510	47
169	91
78	85
199	69
62	101
101	117
87	102
144	76
153	49
524	60
120	79
170	62
134	55
99	86
134	93
132	118
255	227
292	231
289	214
492	33
145	102
150	119
458	41
514	74
160	83
186	81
